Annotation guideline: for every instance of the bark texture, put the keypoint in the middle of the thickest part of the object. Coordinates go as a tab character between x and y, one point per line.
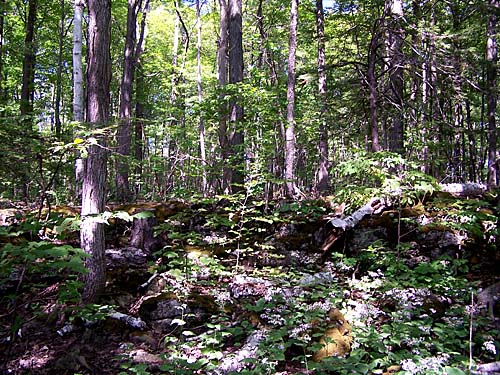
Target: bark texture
323	175
28	77
236	109
94	182
290	110
124	135
394	46
492	72
77	61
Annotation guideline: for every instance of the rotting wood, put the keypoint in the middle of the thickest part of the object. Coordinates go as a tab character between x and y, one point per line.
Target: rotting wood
339	226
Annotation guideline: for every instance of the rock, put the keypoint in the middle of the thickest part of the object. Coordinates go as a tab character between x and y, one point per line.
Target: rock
336	339
236	362
320	278
488	297
125	257
246	286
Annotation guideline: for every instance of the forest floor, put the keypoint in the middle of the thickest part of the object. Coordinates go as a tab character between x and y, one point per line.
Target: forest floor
220	286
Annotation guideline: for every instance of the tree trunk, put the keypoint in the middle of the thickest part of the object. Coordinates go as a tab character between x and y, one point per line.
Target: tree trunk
222	64
77	62
200	100
62	34
139	104
236	109
124	135
78	101
394	43
323	177
373	86
491	82
26	105
290	110
94	181
2	43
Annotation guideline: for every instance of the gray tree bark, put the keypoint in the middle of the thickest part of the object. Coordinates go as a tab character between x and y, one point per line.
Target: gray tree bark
94	181
323	175
491	82
394	45
124	135
201	126
235	135
290	111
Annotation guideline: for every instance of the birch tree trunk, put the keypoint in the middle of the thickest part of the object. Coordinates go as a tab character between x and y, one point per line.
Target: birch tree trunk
94	181
290	109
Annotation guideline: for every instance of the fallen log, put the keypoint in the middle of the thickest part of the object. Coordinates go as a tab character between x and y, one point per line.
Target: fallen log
466	189
339	225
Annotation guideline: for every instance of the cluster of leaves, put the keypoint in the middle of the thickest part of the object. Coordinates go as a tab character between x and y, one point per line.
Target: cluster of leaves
381	174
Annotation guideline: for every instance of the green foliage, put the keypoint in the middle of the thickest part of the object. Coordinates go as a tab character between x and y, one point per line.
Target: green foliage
41	258
381	174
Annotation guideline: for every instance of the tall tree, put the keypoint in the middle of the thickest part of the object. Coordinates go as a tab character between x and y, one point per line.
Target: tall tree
235	136
491	89
394	46
28	77
2	37
222	65
124	135
98	114
201	126
61	35
290	109
78	99
371	77
322	183
139	101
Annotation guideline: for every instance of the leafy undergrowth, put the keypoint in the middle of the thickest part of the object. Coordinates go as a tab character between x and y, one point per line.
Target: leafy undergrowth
231	270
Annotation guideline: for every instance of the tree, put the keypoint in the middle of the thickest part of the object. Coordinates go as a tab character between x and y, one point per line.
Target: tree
124	135
394	43
235	136
29	63
290	109
2	37
78	99
222	64
491	89
199	87
98	113
322	92
77	61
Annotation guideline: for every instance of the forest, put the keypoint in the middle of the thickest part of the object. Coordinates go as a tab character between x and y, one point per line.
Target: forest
249	187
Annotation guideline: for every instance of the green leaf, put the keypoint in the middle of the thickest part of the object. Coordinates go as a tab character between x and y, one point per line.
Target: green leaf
143	215
453	371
